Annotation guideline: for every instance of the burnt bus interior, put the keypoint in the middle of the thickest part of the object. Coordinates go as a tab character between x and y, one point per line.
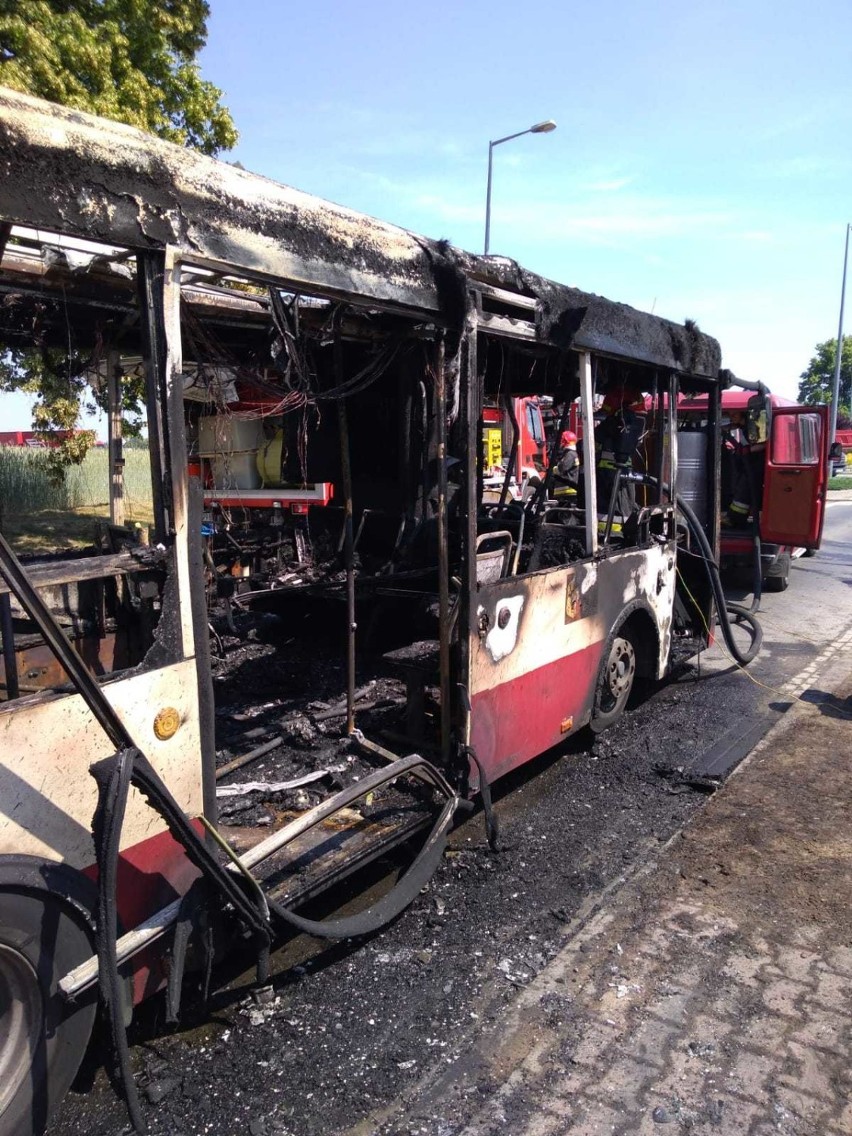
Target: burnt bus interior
314	433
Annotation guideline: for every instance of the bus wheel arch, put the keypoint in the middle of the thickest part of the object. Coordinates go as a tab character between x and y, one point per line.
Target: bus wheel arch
630	652
43	935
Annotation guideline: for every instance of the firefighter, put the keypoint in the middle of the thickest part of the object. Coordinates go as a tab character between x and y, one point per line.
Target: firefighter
747	481
566	468
617	434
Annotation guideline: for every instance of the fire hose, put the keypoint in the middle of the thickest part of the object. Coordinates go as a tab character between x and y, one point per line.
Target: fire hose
728	611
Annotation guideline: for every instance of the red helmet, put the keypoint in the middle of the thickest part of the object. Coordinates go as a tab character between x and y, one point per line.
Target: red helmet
567	438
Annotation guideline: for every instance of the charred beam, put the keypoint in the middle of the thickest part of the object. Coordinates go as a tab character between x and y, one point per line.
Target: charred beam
120	185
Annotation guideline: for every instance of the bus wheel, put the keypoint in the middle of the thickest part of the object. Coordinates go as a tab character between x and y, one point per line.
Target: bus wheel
615	682
42	1039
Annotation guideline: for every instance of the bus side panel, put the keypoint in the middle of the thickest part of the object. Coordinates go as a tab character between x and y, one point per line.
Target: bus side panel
533	678
47	746
519	719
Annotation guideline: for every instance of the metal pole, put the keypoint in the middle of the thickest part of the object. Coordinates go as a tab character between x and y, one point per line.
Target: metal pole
150	283
835	386
443	550
116	454
590	485
349	559
348	537
539	128
10	661
488	200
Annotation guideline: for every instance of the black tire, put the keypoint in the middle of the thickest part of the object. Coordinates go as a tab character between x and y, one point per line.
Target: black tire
615	682
42	1039
778	577
809	552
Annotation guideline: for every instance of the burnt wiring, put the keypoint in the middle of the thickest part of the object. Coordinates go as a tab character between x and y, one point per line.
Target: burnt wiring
210	353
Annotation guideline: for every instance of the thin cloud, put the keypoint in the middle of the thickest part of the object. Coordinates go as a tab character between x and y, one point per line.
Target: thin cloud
805	166
592	219
611	185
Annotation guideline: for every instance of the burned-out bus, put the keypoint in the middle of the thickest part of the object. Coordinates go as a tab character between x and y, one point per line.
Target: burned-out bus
314	383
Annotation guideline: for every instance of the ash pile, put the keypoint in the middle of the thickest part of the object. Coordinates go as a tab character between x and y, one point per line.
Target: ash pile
281	714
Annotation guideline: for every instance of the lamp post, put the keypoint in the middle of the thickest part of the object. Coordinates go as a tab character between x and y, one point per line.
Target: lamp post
835	386
539	128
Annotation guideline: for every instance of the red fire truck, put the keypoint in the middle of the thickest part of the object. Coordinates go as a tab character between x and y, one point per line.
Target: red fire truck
774	471
515	447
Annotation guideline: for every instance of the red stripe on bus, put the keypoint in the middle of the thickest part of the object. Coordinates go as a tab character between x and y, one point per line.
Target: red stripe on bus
151	875
519	719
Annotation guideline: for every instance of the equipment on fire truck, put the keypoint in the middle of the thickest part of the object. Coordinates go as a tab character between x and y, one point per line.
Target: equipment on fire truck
230	445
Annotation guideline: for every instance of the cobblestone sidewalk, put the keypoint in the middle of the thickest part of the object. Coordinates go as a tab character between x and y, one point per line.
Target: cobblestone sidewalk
713	993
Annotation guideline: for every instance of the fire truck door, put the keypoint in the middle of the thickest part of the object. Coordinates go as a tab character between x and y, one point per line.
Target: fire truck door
796	476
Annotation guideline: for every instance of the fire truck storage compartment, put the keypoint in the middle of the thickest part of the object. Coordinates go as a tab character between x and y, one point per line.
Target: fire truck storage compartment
230	445
692	471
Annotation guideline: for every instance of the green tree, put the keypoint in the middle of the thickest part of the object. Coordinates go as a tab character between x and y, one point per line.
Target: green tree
815	383
130	60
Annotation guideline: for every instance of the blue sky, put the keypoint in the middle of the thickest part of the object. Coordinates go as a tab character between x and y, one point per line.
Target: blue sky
701	168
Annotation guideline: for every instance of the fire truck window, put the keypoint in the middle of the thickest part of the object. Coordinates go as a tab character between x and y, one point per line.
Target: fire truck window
796	439
534	422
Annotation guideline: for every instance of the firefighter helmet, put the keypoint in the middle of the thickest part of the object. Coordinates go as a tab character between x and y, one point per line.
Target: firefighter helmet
567	438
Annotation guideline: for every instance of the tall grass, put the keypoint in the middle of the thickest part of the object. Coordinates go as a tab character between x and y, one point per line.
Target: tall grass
26	488
24	483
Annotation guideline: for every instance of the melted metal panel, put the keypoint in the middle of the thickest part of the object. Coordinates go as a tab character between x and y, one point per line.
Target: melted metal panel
74	173
78	174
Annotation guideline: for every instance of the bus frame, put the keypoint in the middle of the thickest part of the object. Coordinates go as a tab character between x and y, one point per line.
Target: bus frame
530	646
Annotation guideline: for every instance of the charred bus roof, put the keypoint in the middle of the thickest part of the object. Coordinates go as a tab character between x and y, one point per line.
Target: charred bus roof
77	174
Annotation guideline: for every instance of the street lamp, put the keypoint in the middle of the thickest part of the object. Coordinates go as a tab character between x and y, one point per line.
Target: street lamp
835	386
539	128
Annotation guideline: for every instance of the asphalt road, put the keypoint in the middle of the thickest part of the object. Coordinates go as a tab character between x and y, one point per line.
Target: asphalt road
349	1031
802	622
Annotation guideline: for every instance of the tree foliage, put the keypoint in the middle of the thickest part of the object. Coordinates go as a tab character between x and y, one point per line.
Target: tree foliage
130	60
61	384
815	383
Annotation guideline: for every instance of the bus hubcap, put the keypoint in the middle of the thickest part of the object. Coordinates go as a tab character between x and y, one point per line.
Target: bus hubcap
20	1013
622	664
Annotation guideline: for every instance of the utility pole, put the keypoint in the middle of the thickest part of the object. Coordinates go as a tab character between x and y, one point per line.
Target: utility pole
835	386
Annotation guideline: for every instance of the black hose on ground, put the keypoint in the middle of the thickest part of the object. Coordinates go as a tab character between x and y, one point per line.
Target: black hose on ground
724	606
113	778
492	829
